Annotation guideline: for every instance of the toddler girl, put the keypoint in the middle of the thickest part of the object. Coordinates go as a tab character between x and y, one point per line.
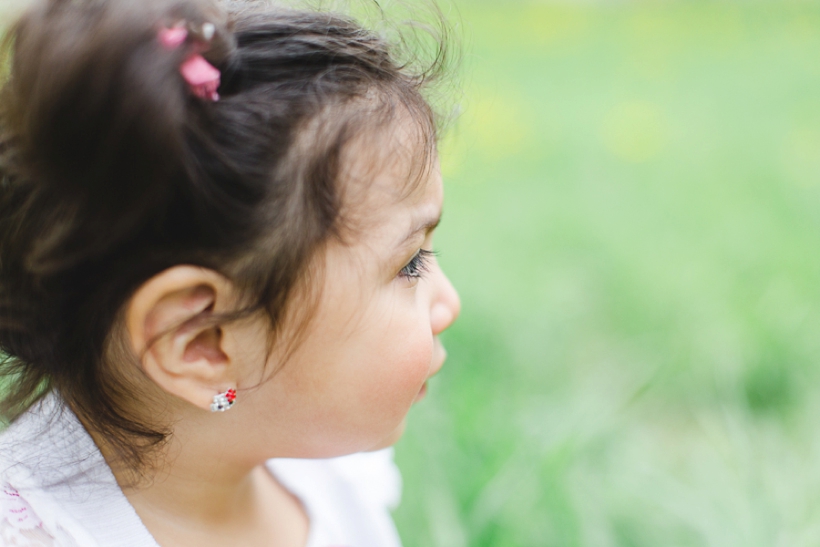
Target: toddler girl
218	298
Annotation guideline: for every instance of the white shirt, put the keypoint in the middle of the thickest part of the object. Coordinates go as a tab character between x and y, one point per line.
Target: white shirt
56	490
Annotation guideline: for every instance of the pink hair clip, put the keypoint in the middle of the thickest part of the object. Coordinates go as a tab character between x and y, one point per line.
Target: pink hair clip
202	77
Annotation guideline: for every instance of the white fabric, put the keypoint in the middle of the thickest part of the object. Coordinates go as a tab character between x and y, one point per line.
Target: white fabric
57	491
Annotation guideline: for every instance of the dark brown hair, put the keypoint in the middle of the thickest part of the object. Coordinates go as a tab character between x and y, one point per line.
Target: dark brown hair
111	172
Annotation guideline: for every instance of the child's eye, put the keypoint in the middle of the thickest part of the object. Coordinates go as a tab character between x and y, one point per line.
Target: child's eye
418	265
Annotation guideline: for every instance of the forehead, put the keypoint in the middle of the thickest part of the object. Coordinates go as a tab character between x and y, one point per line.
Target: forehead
391	171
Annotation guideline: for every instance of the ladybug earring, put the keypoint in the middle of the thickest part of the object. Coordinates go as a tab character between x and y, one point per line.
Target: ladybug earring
223	401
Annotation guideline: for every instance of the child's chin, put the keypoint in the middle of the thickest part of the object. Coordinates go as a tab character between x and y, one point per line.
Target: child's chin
392	438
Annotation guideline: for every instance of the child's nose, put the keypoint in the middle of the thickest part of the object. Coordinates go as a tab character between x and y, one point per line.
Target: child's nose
446	305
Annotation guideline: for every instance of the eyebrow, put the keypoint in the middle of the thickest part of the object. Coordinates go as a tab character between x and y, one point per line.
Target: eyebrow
426	226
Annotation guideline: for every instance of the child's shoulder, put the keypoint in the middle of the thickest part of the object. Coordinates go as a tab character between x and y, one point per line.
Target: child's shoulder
371	476
348	499
19	524
44	457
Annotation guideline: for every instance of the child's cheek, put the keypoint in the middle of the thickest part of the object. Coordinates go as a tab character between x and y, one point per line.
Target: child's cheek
406	365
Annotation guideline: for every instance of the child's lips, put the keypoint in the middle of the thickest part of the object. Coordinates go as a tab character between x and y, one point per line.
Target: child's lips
441	356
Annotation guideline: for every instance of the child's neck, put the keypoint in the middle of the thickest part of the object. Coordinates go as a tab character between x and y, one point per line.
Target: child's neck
191	499
256	512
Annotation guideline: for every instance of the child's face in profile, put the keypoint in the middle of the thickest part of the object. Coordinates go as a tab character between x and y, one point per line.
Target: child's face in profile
372	342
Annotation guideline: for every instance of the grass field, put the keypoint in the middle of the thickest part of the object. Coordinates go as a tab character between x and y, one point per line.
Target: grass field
633	222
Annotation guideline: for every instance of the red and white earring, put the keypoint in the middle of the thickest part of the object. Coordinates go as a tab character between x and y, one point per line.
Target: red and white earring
223	401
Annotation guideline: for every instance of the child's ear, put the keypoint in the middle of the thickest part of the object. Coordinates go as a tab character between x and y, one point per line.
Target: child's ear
168	327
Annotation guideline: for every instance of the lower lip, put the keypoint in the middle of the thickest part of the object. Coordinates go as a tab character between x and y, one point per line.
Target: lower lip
422	393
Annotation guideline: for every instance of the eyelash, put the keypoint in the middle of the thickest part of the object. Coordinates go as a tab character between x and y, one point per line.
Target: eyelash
418	265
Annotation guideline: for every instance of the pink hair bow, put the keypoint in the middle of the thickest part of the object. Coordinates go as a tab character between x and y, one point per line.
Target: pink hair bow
201	76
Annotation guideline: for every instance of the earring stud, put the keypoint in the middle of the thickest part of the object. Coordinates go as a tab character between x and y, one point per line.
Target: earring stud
223	401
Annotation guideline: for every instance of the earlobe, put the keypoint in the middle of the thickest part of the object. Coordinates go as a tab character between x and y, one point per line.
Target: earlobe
169	322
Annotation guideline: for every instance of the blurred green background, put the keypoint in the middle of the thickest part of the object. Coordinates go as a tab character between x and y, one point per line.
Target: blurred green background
633	222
